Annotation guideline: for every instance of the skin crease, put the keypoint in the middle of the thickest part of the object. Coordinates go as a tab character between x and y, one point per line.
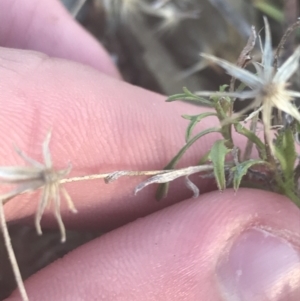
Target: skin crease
167	255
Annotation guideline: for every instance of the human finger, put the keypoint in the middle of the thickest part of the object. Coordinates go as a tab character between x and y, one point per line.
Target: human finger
47	27
228	246
98	124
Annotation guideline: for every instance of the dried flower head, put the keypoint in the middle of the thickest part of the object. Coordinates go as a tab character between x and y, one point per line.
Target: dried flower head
269	86
30	178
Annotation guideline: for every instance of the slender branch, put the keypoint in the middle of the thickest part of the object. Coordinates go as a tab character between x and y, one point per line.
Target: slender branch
111	176
11	255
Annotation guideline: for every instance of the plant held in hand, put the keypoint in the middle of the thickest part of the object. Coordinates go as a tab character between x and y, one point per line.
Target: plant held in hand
277	166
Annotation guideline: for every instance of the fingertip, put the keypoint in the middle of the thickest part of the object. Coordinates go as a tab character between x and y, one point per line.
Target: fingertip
172	253
99	124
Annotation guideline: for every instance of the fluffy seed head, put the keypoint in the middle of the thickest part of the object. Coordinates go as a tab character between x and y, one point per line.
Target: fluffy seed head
269	86
35	176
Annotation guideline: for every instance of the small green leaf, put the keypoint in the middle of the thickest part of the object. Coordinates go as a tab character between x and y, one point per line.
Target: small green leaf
261	148
174	97
188	92
175	160
285	152
221	89
225	101
188	117
193	122
163	188
222	104
188	95
217	155
241	170
222	111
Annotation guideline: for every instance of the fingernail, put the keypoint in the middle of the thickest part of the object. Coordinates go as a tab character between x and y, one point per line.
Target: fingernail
260	266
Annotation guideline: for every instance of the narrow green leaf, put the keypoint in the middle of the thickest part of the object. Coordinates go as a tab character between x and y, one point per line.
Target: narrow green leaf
221	89
179	96
222	104
198	100
188	95
188	117
288	190
270	10
188	92
163	188
222	108
193	122
225	102
179	155
261	148
217	155
220	111
241	170
285	152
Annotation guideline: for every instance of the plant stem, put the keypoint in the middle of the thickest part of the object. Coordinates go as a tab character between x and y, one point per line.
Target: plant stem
111	174
11	255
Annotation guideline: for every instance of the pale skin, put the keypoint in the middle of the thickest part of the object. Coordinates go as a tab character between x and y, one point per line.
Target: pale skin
101	124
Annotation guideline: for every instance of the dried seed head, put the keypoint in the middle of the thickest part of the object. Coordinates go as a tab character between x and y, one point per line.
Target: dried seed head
269	88
44	176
